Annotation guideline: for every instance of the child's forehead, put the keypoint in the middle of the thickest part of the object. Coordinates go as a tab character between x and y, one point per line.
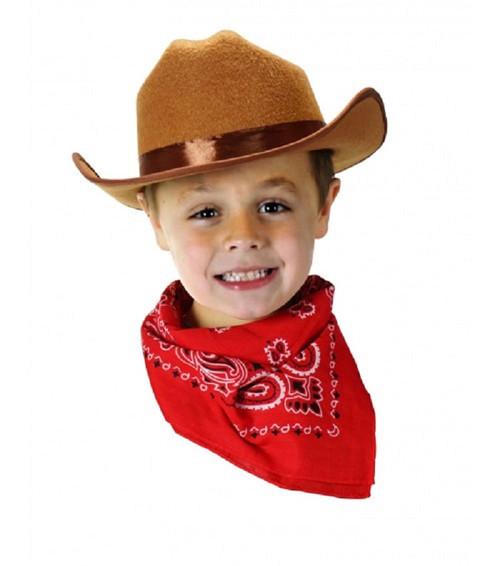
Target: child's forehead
286	169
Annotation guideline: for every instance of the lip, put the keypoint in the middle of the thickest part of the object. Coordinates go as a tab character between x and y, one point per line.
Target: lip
248	285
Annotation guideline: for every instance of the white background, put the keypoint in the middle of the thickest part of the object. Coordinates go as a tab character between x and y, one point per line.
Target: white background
92	474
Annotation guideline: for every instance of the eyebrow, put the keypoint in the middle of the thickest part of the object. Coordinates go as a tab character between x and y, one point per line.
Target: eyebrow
197	189
278	182
267	184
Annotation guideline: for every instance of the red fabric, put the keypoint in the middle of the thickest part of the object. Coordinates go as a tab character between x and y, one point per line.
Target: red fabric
280	397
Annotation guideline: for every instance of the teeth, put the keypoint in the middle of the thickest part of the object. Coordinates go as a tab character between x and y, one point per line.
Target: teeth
233	276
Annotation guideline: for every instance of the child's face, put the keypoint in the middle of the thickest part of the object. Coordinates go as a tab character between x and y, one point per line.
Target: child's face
242	238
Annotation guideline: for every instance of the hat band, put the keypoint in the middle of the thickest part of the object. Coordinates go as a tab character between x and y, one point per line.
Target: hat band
225	146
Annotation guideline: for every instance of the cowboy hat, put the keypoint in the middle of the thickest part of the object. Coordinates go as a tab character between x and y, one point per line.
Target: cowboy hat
223	101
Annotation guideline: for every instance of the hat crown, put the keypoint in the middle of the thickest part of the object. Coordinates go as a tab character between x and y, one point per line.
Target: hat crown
219	85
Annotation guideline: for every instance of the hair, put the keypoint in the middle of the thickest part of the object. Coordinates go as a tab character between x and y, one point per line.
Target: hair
322	168
323	171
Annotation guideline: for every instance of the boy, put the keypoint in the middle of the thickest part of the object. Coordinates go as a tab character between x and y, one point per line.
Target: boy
243	352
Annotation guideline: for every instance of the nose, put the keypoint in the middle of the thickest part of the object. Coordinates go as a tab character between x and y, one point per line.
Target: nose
243	233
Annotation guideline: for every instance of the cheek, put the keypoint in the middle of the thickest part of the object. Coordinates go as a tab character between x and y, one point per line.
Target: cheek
189	253
296	245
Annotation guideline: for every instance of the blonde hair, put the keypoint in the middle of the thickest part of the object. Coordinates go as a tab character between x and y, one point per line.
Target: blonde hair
149	192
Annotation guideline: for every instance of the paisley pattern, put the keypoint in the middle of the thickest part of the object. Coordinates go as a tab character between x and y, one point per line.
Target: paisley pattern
224	374
250	387
306	362
287	379
277	351
265	391
242	390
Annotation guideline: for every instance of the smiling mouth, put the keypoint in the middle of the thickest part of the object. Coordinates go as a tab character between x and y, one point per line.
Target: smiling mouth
237	276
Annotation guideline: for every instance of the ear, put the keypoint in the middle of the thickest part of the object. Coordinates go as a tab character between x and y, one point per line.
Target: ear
155	223
324	213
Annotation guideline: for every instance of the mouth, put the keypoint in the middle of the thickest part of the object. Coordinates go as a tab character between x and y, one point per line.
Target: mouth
245	276
248	279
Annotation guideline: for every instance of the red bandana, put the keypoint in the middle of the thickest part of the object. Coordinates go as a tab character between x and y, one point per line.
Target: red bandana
280	397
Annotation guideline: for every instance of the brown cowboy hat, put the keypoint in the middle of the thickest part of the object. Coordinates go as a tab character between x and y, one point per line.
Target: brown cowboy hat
222	101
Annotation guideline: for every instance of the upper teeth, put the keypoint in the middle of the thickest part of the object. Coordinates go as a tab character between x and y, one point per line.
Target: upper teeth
244	275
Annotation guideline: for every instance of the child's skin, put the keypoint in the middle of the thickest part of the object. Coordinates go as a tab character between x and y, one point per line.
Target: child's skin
256	223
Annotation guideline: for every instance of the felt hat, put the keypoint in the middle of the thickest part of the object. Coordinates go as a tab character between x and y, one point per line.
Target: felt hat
223	101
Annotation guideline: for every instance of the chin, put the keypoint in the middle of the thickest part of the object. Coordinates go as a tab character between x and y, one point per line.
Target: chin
251	316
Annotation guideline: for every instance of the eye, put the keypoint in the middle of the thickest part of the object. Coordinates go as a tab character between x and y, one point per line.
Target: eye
205	214
273	207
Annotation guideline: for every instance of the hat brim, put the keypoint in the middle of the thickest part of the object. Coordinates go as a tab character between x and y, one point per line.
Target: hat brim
355	134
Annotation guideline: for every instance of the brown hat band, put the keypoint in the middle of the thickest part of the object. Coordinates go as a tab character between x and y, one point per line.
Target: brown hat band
225	146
